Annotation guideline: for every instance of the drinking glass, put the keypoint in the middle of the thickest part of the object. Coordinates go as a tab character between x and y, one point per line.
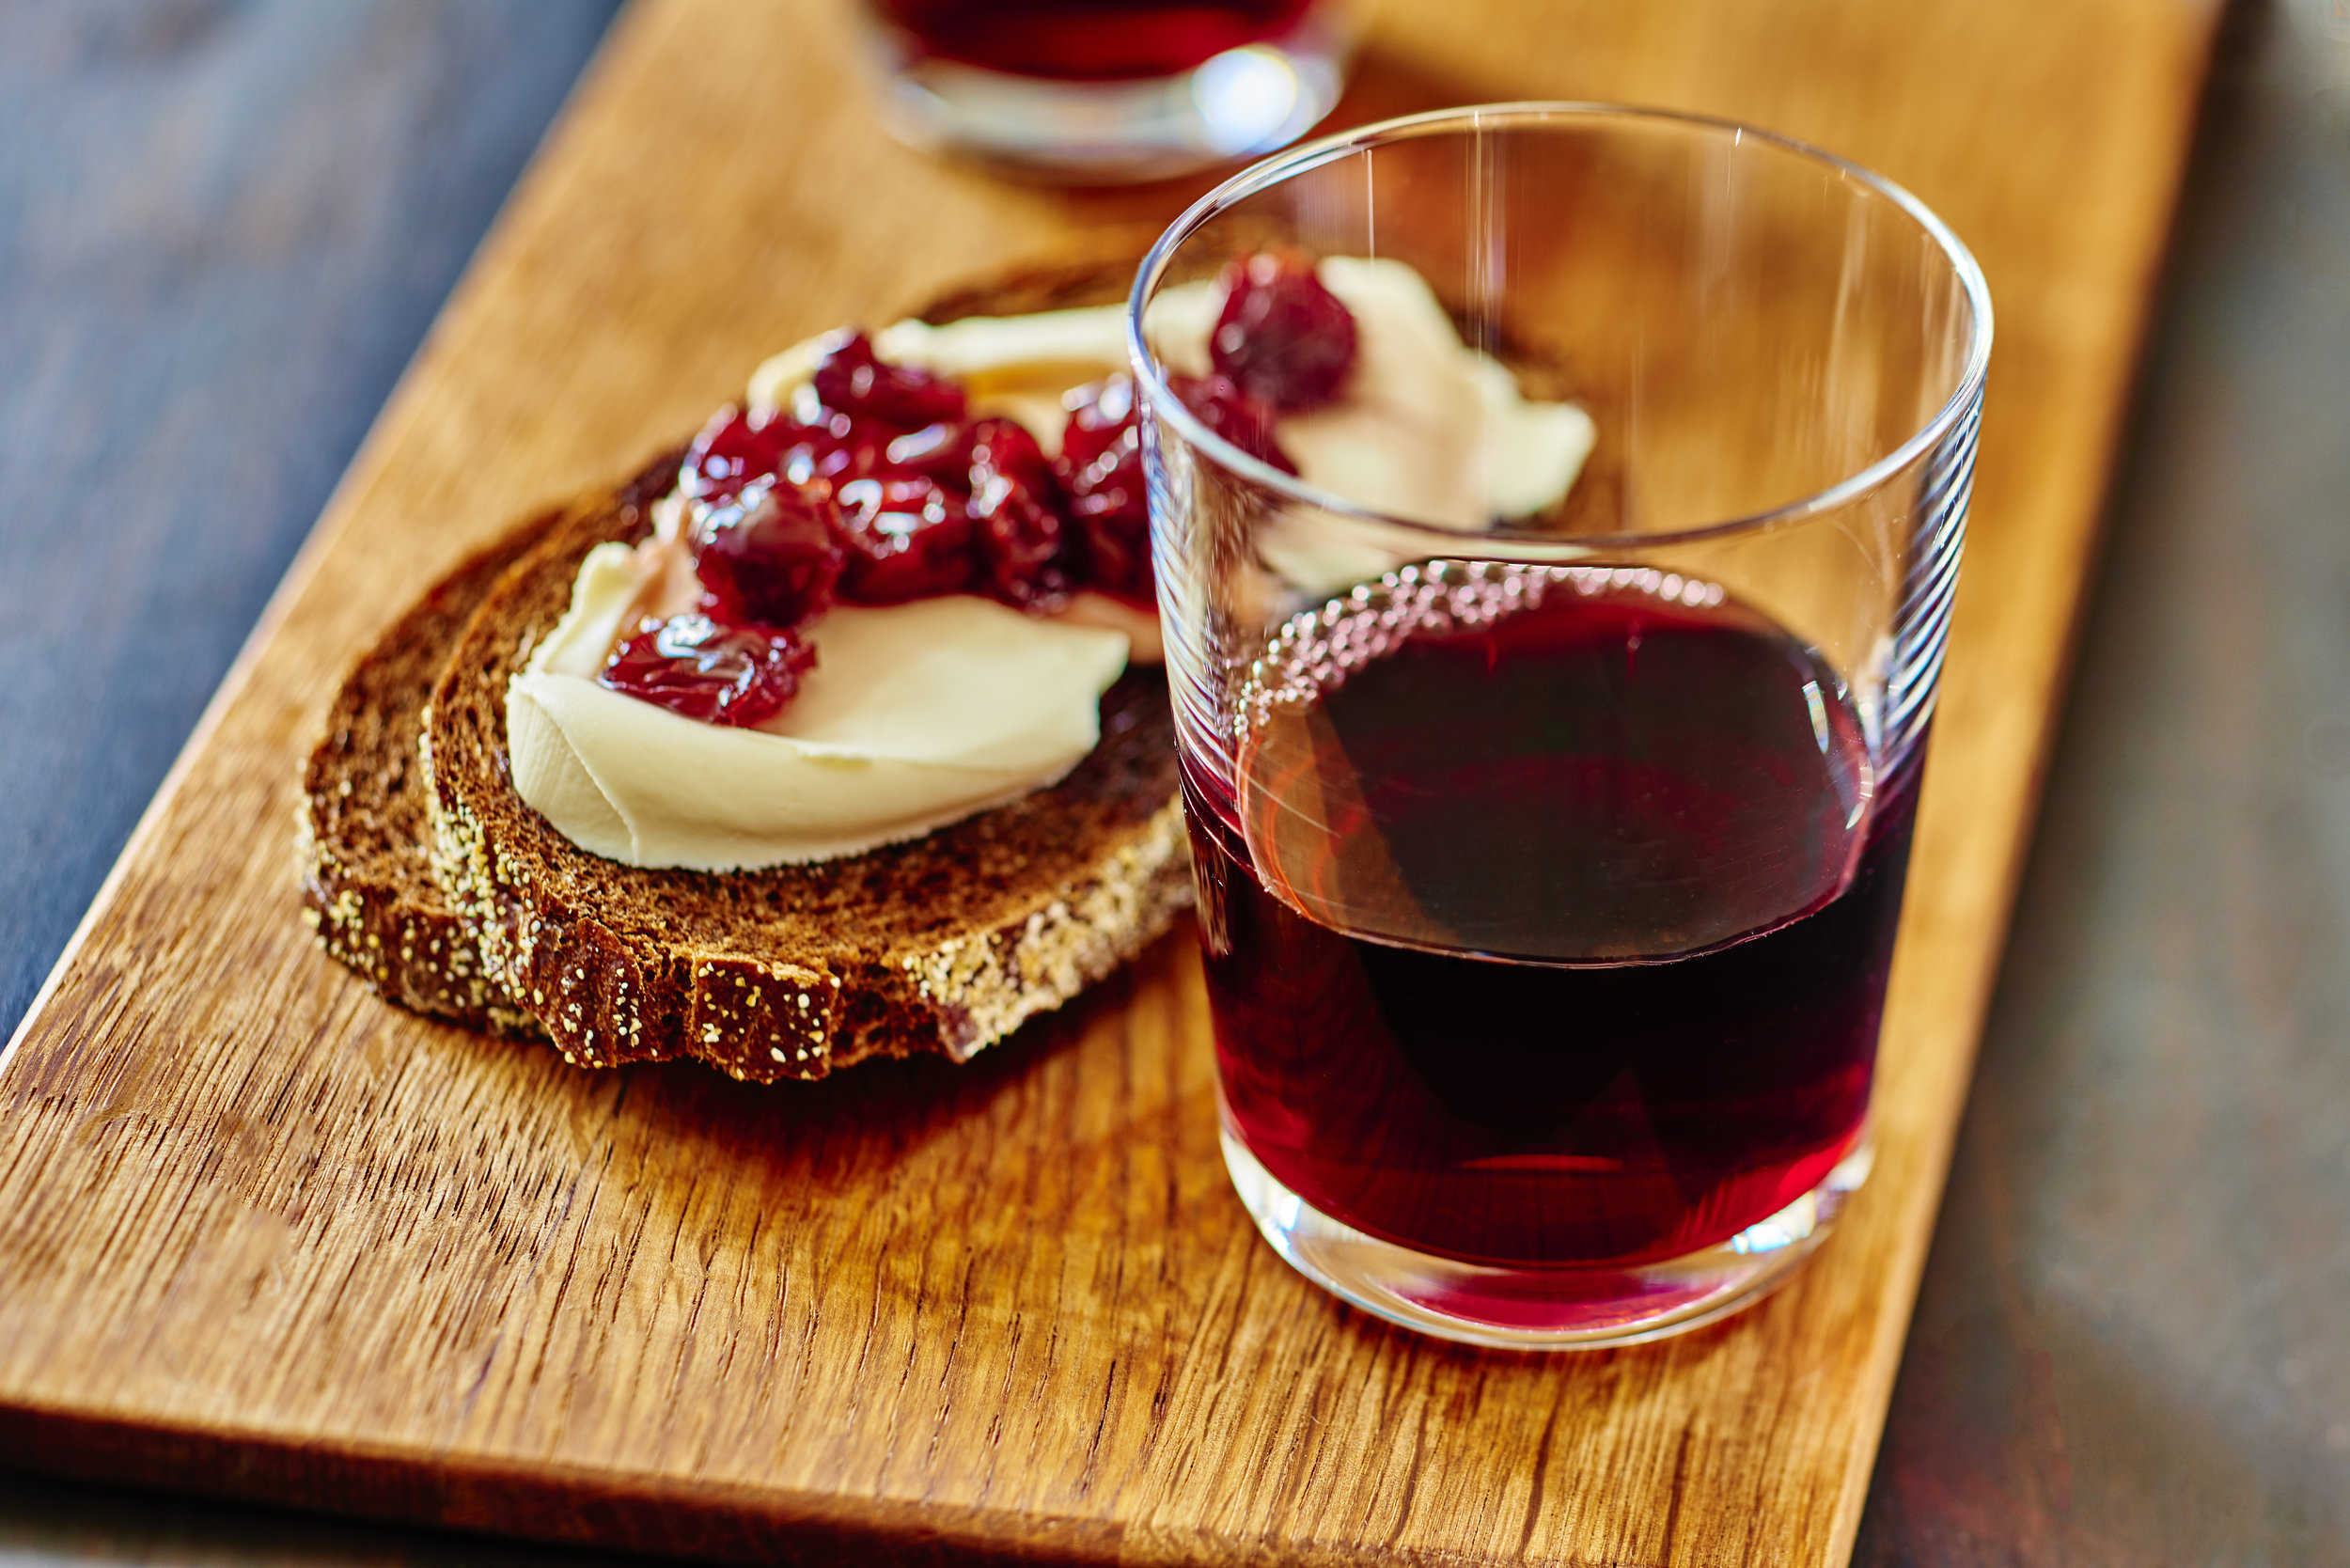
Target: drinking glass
1549	865
1103	90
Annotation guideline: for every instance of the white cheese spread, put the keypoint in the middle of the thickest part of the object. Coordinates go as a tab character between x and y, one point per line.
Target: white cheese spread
915	716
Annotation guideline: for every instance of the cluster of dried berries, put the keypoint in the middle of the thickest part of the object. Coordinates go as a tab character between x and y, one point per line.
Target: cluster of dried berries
876	487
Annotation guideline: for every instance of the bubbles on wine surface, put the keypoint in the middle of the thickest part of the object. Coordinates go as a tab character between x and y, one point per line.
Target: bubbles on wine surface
1567	764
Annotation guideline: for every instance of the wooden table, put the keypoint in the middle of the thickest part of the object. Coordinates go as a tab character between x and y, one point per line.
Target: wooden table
2133	1341
2060	1511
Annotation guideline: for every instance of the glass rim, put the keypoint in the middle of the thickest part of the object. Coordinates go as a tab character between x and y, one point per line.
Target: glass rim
1272	171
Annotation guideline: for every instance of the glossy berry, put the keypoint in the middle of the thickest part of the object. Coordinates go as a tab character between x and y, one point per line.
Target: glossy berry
772	555
710	670
833	448
1101	423
1100	470
852	381
940	452
1282	338
904	536
1016	525
728	454
1232	413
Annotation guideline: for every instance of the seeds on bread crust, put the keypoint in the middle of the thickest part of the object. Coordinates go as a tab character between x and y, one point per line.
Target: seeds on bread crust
366	881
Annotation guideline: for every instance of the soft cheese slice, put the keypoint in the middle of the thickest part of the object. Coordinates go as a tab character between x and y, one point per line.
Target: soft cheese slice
915	716
1430	428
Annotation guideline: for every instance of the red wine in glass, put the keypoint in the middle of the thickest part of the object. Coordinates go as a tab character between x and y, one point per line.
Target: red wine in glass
1089	40
1556	938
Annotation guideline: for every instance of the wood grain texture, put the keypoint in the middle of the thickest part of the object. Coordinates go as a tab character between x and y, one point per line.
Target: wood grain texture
263	1235
2130	1345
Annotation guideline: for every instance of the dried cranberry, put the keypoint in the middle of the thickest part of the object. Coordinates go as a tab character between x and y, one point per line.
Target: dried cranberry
772	555
1100	470
850	379
904	536
1102	420
730	453
818	445
709	670
1232	413
1005	446
940	451
1282	338
1017	526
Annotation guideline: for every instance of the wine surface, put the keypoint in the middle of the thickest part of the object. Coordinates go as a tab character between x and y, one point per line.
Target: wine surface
1090	40
1555	934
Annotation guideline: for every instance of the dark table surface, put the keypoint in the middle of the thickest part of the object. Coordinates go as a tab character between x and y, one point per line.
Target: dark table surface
225	223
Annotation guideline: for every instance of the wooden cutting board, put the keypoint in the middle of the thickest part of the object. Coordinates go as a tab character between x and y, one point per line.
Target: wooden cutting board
261	1234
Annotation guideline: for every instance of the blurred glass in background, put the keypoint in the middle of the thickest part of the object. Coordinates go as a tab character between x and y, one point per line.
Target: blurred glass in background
1102	91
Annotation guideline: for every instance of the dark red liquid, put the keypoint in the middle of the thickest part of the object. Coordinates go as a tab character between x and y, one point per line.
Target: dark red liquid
1089	40
1655	825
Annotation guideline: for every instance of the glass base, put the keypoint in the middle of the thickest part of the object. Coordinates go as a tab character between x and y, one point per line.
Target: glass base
1539	1308
1240	104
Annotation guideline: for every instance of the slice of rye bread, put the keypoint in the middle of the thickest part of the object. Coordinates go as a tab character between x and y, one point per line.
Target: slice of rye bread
362	833
362	841
362	837
943	943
